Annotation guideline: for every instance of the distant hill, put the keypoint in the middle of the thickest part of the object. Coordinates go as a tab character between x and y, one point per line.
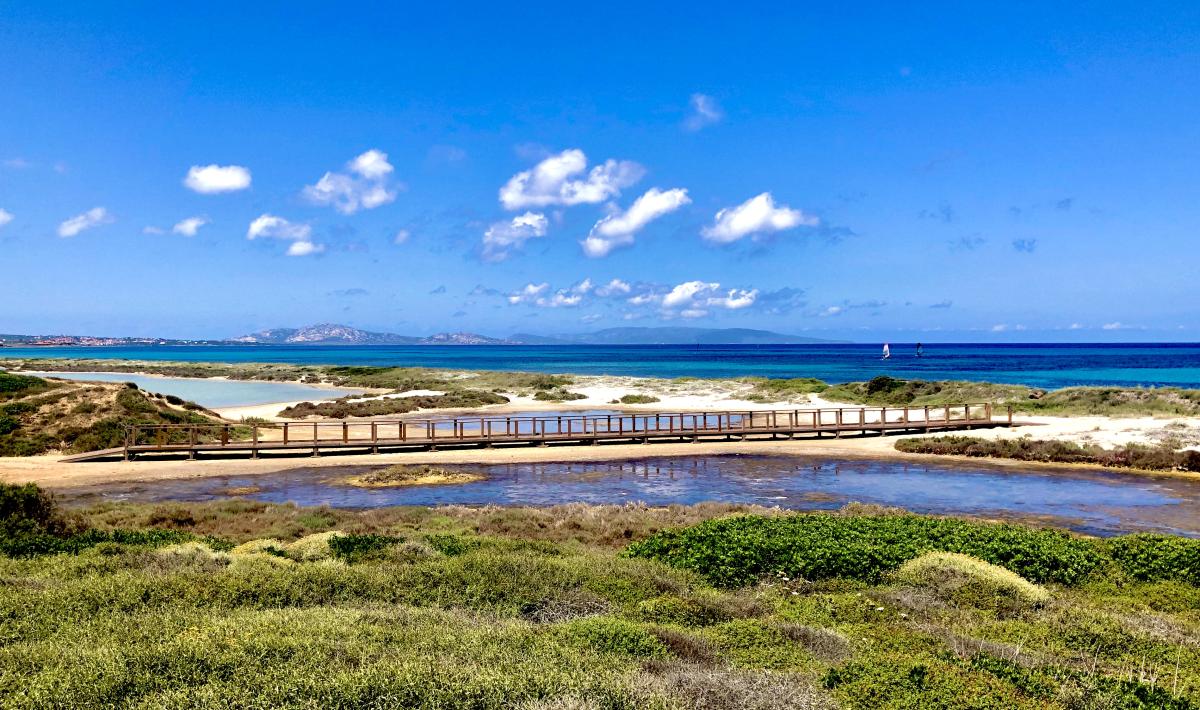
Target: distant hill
335	334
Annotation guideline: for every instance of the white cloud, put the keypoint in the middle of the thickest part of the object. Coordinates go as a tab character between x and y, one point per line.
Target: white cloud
402	235
213	179
642	299
686	292
151	229
274	227
303	248
693	313
528	294
705	112
735	299
614	288
1075	326
5	217
618	228
366	189
535	294
831	311
555	181
502	238
269	225
1113	326
754	216
92	218
372	165
999	328
188	227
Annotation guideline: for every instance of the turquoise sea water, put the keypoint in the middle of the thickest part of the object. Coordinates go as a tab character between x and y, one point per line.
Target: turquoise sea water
1038	365
213	393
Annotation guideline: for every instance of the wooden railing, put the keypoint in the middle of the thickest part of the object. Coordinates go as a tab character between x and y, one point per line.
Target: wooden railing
583	428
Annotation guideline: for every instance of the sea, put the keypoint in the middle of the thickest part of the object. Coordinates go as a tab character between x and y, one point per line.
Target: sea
1042	365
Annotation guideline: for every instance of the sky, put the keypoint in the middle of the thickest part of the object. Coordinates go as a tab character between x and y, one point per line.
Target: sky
865	171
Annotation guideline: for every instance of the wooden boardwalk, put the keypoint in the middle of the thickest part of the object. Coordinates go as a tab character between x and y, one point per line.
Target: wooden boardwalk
374	436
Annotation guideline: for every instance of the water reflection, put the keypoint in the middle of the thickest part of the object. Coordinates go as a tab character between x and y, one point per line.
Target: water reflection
1095	502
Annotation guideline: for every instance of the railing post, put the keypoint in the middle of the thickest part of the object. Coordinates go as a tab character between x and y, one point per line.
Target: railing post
285	433
254	441
947	415
345	432
1010	412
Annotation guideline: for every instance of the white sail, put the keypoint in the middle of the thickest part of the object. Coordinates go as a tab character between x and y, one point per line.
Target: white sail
887	352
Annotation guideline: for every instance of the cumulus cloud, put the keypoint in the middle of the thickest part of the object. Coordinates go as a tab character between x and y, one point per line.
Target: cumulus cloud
1113	326
213	179
832	311
619	228
755	216
705	111
616	287
364	186
735	299
528	294
559	180
502	238
5	217
686	292
402	236
304	248
269	226
188	227
92	218
540	295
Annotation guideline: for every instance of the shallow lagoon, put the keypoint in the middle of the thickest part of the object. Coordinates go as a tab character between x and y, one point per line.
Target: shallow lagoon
212	393
1095	502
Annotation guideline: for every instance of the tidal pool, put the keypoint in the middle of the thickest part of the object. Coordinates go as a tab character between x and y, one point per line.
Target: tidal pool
1095	502
211	392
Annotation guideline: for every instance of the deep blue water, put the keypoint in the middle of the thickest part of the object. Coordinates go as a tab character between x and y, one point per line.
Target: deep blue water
1038	365
1095	502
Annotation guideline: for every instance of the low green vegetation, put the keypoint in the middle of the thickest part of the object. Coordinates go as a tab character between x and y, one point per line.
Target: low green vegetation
351	407
247	604
1162	457
636	399
411	475
558	394
38	416
1103	401
741	549
784	389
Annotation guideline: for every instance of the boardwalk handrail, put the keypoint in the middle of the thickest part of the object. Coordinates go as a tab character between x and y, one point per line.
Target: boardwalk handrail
489	429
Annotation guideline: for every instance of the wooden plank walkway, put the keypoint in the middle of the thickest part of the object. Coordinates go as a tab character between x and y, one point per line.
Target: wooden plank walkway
373	436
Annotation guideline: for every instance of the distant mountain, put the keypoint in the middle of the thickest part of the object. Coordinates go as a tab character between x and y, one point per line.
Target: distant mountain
324	334
335	334
670	336
463	339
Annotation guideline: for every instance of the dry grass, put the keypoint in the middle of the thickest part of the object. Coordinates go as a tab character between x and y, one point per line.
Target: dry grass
607	526
704	687
399	475
952	576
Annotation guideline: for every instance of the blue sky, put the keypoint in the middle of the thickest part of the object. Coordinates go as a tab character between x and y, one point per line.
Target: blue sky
1003	173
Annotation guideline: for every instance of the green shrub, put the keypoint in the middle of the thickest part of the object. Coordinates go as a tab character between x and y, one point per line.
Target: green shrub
8	424
1151	558
967	580
357	548
609	635
637	399
13	386
557	395
742	549
1151	458
28	509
